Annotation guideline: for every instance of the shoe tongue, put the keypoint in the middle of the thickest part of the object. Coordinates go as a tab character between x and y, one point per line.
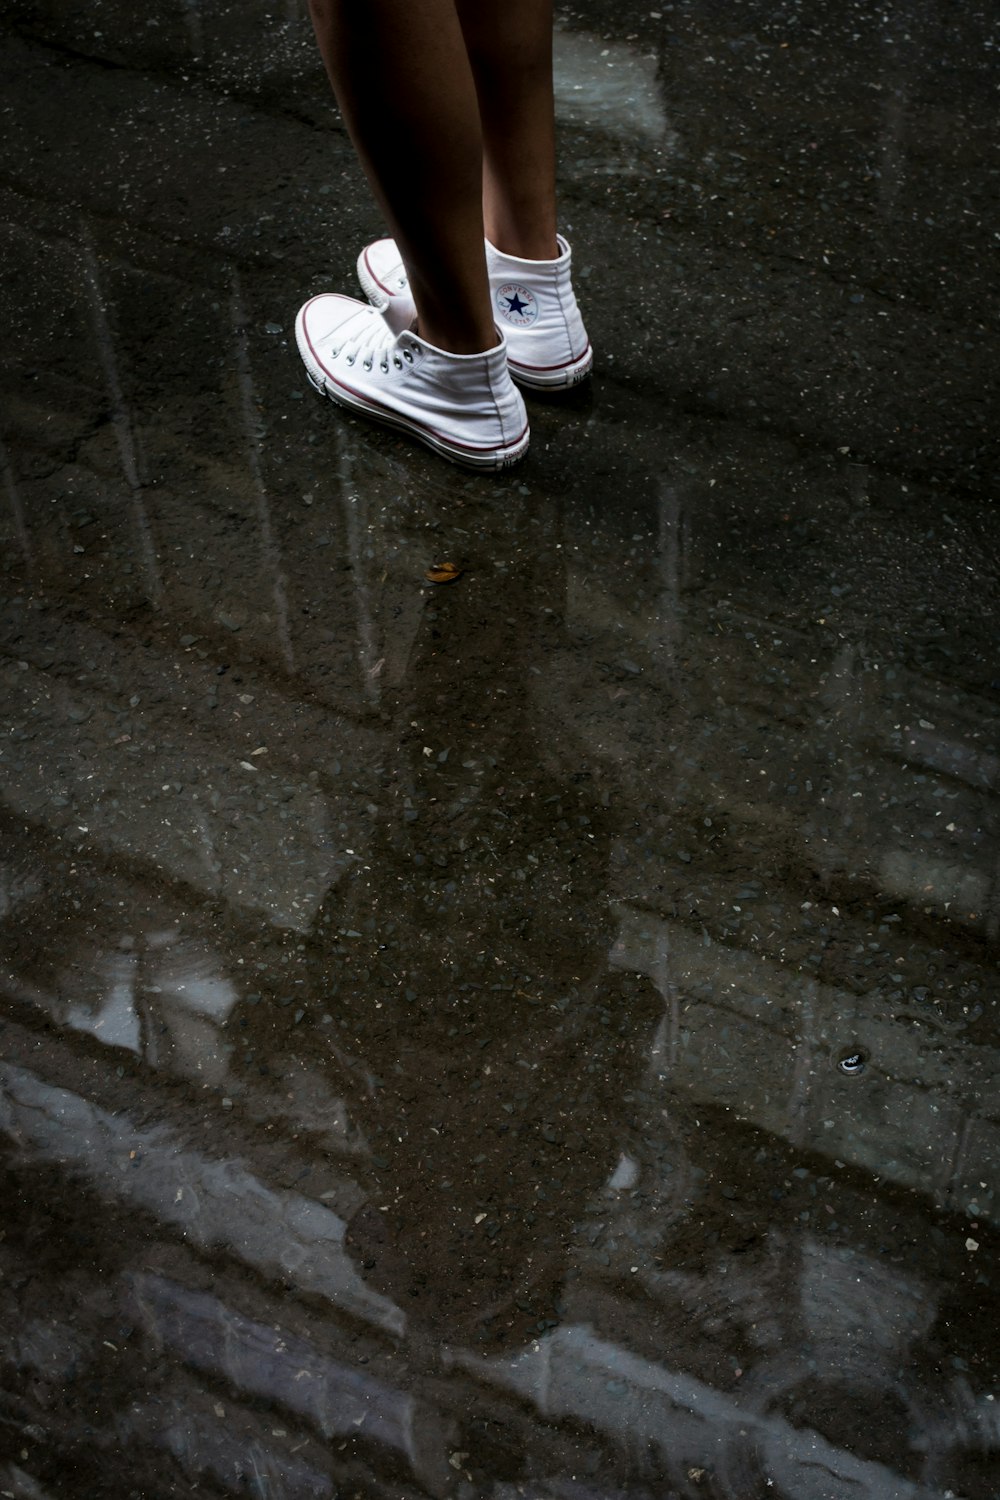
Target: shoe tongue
397	322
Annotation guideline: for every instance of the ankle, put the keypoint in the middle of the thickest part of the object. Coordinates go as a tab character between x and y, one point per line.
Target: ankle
524	244
452	339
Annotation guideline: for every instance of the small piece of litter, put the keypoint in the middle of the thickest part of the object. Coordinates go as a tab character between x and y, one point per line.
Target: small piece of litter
479	1218
972	1244
445	572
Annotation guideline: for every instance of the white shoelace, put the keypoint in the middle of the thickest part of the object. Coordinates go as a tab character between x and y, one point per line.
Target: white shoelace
374	341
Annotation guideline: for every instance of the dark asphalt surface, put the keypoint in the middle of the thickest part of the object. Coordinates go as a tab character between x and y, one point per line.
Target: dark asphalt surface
533	1038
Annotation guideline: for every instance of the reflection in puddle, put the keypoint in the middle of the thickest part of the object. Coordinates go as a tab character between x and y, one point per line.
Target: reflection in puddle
211	1203
159	996
609	86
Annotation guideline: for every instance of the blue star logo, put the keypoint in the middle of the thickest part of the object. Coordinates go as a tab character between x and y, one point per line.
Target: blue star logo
516	306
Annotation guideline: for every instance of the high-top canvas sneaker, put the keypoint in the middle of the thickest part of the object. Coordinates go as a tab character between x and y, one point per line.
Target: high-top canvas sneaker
533	304
464	406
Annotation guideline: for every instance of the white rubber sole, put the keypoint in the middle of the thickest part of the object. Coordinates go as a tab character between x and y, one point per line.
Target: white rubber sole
469	457
559	376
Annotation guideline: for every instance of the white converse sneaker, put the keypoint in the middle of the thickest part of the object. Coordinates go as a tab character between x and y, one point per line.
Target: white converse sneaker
464	406
533	304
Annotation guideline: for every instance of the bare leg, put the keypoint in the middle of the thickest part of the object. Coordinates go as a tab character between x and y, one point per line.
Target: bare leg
402	78
510	48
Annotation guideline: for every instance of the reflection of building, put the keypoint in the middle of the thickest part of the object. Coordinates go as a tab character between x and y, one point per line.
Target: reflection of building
230	1272
743	1032
741	1366
334	1364
639	1379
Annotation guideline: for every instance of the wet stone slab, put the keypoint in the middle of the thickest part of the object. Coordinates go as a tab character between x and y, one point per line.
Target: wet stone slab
532	1034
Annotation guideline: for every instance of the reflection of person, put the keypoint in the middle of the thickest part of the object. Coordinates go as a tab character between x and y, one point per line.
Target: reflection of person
449	104
483	1042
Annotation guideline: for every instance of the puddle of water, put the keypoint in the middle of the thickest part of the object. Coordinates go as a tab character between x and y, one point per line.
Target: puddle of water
534	1036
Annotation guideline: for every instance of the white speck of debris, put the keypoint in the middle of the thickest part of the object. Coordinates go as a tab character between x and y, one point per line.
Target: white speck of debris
457	1459
972	1244
480	1218
248	765
219	1409
428	750
260	750
178	1195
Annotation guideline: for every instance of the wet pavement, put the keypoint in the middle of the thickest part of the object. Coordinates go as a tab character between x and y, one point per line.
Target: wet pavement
534	1036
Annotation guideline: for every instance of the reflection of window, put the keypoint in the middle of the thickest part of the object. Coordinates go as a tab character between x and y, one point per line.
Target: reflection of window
164	998
607	84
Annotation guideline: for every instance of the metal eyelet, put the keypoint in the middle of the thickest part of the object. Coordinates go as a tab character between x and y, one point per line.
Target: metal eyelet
397	362
385	366
351	358
408	355
368	364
